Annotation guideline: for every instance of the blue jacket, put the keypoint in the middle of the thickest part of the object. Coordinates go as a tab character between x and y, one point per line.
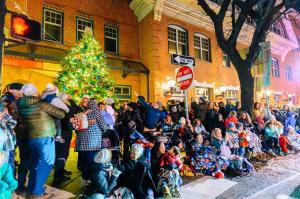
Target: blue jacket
7	181
229	108
290	121
152	115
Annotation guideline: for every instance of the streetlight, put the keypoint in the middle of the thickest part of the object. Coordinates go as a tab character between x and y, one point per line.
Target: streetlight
171	84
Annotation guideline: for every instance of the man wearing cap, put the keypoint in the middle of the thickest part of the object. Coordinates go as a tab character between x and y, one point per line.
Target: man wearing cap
39	132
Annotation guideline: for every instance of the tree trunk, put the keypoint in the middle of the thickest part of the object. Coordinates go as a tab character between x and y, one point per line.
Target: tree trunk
247	88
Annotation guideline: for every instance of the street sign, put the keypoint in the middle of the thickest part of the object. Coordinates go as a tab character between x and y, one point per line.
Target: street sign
184	77
182	60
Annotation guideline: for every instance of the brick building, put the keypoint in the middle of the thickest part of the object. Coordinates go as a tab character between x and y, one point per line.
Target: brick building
139	37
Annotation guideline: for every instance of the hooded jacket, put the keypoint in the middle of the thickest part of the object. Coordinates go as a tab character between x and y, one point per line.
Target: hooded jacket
91	139
37	117
290	121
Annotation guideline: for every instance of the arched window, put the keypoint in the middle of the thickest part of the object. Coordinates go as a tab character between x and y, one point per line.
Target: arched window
177	40
202	47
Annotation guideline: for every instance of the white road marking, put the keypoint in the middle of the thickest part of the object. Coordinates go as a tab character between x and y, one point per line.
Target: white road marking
206	188
255	196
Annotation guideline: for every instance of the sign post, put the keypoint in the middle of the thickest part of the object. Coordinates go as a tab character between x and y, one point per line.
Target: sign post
184	79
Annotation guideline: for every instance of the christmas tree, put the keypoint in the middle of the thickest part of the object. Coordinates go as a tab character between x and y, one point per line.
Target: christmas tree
85	70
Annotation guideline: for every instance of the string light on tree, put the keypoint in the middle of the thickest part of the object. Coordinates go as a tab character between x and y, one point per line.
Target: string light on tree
85	70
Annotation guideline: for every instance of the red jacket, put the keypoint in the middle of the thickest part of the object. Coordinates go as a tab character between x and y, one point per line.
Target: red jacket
167	159
243	139
230	119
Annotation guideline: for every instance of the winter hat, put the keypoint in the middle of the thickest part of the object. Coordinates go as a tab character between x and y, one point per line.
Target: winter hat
231	125
7	98
51	87
173	109
15	86
203	99
29	90
103	156
63	96
272	117
238	125
176	150
182	120
218	174
137	149
109	101
232	113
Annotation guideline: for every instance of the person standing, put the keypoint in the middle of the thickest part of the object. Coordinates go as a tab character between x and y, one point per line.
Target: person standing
209	117
202	107
62	149
39	130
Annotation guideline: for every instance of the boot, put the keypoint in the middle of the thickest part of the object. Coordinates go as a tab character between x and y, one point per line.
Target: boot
166	192
176	193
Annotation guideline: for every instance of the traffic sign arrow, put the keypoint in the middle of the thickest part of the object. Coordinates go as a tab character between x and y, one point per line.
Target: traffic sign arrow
177	59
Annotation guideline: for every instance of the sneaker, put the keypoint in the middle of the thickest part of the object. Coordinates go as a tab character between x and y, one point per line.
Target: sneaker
166	192
59	139
61	178
176	193
68	173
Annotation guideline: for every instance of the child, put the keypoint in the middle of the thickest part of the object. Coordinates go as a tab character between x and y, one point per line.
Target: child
138	138
233	138
243	139
7	181
231	118
171	164
105	177
50	95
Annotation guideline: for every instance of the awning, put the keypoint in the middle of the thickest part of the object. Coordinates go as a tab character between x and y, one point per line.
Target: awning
57	54
127	66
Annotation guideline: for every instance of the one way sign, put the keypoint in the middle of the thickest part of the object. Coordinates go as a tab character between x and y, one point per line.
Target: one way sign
182	60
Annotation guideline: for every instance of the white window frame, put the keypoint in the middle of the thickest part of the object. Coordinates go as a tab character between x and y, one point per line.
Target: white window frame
231	94
116	39
288	73
54	24
202	37
77	24
204	90
177	28
275	70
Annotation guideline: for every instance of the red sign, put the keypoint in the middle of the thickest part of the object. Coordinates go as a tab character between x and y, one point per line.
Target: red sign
184	77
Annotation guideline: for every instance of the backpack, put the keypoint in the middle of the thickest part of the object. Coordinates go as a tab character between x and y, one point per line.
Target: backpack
80	121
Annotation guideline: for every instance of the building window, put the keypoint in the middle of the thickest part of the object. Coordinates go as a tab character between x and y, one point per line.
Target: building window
276	98
275	68
288	73
53	25
278	29
298	74
177	40
81	24
123	93
202	47
229	94
226	60
202	92
111	39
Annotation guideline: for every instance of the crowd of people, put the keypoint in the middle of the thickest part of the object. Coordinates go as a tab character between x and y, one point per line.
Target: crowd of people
140	150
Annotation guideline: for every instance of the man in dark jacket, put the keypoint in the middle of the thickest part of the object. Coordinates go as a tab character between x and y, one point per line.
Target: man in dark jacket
202	107
39	130
132	114
153	116
209	117
229	107
62	149
196	108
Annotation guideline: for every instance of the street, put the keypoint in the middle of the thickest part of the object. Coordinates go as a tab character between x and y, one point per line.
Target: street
279	180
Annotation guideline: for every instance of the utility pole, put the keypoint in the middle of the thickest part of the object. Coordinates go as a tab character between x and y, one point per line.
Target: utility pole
2	38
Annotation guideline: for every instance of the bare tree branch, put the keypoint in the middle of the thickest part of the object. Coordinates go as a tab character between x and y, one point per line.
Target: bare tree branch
223	10
207	9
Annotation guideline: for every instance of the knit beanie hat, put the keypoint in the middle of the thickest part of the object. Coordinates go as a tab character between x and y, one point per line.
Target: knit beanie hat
238	125
15	86
103	156
137	149
231	125
182	120
29	90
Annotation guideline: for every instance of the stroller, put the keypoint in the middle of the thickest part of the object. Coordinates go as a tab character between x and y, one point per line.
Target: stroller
110	140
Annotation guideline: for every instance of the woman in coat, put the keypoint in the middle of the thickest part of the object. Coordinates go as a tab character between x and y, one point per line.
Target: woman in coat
89	141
